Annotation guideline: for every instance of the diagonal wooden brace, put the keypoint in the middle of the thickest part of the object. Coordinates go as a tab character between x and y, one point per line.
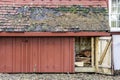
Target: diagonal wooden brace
104	52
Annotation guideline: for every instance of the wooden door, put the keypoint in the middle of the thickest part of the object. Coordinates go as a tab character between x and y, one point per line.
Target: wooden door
103	55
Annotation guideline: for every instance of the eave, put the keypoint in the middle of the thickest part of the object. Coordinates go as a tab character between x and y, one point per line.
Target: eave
52	34
115	33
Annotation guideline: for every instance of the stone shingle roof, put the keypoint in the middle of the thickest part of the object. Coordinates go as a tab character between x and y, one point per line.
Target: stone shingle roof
53	19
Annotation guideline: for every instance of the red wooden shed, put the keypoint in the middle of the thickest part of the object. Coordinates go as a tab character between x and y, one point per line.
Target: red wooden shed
25	48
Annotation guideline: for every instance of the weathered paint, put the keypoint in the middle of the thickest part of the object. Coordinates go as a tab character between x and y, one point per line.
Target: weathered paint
116	52
102	3
36	54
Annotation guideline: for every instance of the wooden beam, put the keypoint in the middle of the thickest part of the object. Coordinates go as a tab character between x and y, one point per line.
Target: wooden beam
54	34
84	69
115	33
104	52
96	53
92	51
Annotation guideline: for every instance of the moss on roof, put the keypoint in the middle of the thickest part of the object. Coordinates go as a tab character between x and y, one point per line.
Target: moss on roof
73	18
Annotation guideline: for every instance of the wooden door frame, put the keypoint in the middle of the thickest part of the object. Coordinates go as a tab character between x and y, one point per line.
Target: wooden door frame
92	68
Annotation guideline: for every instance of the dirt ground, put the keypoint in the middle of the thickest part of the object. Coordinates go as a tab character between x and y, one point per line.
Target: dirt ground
77	76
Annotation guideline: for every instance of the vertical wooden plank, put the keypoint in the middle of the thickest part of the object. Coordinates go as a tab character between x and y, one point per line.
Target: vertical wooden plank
2	55
31	54
72	54
21	44
16	54
62	54
66	48
28	55
13	52
44	52
92	51
23	56
39	55
13	56
35	51
58	60
96	53
50	54
8	54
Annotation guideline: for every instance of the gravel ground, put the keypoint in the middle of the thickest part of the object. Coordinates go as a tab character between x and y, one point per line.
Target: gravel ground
77	76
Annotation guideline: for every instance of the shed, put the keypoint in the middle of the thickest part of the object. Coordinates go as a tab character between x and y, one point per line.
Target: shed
67	38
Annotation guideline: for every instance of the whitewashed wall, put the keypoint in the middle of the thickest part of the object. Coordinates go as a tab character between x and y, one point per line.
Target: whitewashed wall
116	51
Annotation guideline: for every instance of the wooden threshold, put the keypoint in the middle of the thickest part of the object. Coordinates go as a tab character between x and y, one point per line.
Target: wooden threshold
84	69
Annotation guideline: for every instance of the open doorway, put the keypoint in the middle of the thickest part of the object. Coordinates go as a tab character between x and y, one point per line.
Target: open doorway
93	54
84	54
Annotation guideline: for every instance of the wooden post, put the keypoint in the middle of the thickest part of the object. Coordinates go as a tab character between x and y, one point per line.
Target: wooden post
92	51
96	53
79	44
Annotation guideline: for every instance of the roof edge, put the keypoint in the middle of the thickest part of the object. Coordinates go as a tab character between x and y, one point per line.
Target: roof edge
53	34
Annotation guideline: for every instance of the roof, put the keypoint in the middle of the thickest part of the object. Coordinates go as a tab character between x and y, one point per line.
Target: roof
44	19
102	3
